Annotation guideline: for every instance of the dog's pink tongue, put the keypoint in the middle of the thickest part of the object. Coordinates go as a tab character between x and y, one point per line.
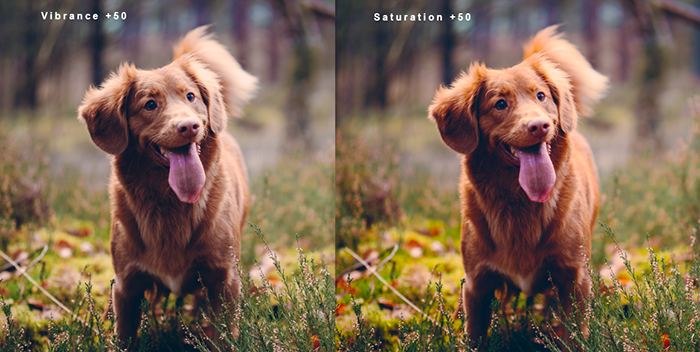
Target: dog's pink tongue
537	175
186	173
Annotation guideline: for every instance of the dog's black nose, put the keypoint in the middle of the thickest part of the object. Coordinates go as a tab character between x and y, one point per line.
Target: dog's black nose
188	129
538	128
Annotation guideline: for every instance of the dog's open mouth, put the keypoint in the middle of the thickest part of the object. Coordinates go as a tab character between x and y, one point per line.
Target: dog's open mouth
186	176
537	176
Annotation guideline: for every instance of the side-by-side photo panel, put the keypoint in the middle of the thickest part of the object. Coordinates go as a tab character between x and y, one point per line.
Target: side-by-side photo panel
517	176
167	175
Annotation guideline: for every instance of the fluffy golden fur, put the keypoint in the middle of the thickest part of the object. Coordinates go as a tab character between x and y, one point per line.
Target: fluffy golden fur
529	187
178	186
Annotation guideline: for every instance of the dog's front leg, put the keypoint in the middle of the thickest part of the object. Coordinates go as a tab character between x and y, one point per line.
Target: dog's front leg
478	293
128	293
219	285
573	286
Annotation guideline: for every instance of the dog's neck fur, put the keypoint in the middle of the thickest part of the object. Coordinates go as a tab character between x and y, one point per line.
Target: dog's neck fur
152	203
502	203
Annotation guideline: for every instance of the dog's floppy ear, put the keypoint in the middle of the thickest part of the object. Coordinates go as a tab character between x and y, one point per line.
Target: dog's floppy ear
104	111
561	89
455	110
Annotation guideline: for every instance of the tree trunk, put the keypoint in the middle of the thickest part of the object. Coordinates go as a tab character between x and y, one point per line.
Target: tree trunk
696	36
97	44
376	69
28	79
241	29
623	49
130	40
298	135
553	12
482	31
651	78
448	44
273	49
202	12
591	31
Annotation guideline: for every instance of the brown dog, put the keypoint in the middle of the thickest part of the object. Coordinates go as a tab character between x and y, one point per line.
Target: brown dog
178	188
529	188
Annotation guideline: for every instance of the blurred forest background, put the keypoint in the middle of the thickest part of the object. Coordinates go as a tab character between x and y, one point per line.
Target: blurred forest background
396	181
650	50
53	180
46	66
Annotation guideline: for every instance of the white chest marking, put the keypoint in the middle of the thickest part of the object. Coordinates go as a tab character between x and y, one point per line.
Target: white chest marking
173	283
523	282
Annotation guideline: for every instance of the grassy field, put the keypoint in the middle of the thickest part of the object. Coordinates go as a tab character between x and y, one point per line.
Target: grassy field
53	193
395	189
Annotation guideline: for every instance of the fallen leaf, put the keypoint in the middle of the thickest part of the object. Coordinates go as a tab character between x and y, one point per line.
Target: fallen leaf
385	303
424	232
63	244
343	285
413	243
666	341
35	304
414	248
274	281
81	232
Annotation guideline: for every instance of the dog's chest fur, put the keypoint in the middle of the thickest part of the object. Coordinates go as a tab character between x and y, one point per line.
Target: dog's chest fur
167	230
166	239
512	231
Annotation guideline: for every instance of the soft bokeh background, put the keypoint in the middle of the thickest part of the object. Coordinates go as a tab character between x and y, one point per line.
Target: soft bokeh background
397	181
53	180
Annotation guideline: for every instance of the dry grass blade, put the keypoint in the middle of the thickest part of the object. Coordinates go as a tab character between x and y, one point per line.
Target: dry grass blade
374	271
24	272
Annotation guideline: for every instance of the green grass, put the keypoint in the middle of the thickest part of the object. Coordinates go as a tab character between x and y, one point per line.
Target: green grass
296	317
69	212
652	205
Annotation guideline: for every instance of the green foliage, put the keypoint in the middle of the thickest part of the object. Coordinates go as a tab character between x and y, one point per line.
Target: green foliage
362	337
12	337
297	317
23	184
656	195
649	302
294	197
659	312
442	333
85	328
366	178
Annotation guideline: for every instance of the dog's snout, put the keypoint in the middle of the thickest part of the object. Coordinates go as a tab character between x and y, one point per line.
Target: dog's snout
538	128
188	128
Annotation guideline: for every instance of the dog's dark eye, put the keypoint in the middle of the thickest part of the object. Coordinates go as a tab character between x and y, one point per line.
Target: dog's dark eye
150	105
541	96
190	97
501	104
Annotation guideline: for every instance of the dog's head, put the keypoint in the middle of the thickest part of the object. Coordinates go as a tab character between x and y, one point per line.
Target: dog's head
164	115
513	113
